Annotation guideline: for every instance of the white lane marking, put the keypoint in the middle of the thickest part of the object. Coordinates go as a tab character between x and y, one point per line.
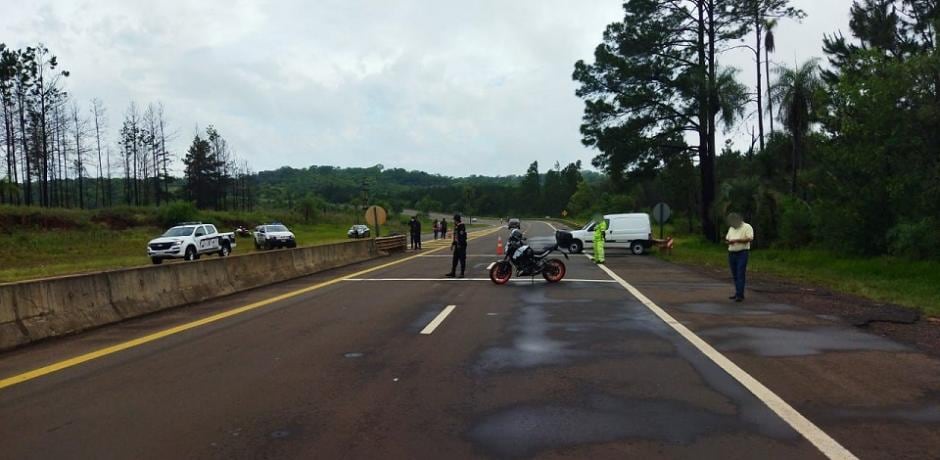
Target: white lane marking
550	225
514	280
828	446
451	256
438	320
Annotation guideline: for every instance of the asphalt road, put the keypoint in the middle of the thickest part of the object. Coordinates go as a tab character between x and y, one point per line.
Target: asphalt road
399	363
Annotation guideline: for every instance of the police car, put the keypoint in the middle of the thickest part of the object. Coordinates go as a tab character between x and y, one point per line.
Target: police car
190	240
275	235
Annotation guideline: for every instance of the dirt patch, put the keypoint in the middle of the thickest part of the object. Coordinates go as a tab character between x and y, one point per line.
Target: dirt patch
895	322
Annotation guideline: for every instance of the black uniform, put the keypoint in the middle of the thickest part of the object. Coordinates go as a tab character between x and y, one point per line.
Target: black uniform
443	228
460	249
415	234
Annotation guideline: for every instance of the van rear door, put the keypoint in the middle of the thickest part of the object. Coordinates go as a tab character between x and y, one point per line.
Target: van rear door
632	227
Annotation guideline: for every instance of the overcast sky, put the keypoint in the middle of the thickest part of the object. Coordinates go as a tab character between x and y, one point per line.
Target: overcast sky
457	88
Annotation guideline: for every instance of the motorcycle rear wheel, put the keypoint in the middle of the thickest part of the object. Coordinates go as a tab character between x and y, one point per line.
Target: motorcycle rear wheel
501	272
554	270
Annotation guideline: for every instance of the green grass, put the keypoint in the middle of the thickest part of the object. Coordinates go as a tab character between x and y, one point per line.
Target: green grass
31	254
914	284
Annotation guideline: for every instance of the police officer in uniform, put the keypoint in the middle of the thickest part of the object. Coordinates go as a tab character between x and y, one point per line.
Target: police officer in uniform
459	246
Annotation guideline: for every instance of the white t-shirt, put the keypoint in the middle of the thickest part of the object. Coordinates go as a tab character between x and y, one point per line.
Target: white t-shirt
744	231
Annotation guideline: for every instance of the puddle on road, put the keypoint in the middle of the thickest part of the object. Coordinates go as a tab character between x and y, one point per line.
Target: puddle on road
526	430
736	310
531	345
796	342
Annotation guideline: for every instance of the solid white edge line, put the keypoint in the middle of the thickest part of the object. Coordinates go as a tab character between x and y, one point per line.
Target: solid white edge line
825	443
438	320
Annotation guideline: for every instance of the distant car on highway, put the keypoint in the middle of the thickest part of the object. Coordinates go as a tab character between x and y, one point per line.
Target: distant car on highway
631	231
358	231
270	236
190	240
514	223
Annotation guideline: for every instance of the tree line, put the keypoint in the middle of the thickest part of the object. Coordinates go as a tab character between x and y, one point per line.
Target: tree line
57	151
852	162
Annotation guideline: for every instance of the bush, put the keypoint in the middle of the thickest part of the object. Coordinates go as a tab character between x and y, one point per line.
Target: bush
916	240
173	213
796	223
16	217
124	217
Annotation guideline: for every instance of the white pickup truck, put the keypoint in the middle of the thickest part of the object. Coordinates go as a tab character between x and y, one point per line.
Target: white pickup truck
190	240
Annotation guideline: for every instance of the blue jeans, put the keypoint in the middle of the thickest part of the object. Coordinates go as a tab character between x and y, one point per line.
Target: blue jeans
738	263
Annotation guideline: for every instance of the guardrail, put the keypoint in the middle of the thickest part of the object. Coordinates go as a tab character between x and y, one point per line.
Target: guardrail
391	243
39	309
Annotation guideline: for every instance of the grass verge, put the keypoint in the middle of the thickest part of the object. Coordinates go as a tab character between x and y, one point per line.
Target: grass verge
31	254
914	284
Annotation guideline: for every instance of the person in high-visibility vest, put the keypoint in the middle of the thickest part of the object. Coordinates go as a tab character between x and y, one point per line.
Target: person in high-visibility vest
599	230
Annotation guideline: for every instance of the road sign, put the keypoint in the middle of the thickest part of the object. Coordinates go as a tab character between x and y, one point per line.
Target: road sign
564	213
661	213
376	217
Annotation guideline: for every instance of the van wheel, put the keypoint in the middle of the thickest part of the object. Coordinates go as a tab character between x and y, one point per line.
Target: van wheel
190	253
576	247
225	251
637	248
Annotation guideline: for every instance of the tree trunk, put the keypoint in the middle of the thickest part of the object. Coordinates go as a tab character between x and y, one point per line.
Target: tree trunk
760	92
795	155
708	167
98	185
27	174
770	101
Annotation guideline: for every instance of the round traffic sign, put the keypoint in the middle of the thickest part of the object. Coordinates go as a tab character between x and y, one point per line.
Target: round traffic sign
661	212
376	215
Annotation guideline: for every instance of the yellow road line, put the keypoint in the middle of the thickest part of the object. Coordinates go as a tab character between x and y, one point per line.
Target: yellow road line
74	361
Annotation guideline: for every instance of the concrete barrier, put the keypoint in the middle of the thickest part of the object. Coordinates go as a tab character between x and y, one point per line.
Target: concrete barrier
36	310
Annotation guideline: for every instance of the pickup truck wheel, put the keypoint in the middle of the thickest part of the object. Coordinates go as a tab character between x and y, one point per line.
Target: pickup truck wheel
190	253
576	247
225	251
637	248
156	260
257	246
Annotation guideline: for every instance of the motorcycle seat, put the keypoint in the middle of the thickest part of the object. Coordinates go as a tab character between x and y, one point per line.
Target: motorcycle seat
545	252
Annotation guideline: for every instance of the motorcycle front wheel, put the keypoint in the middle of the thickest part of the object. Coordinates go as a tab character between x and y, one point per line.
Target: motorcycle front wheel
554	270
501	272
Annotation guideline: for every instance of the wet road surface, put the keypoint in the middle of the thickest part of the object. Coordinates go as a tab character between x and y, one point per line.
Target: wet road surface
581	369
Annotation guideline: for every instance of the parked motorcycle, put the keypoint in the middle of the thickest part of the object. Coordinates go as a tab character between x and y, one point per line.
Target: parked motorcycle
527	262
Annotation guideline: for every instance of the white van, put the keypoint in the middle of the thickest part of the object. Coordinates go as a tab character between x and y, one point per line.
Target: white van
630	231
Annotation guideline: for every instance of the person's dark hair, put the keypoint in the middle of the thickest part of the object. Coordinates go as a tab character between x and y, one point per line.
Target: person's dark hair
457	218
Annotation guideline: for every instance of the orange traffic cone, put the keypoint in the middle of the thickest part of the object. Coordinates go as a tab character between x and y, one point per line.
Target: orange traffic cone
499	246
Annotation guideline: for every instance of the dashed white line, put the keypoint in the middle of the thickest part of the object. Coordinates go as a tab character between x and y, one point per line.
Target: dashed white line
819	438
438	320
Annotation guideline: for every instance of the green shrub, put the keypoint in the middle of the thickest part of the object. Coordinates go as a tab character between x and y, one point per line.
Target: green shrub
916	240
173	213
124	217
796	223
17	217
